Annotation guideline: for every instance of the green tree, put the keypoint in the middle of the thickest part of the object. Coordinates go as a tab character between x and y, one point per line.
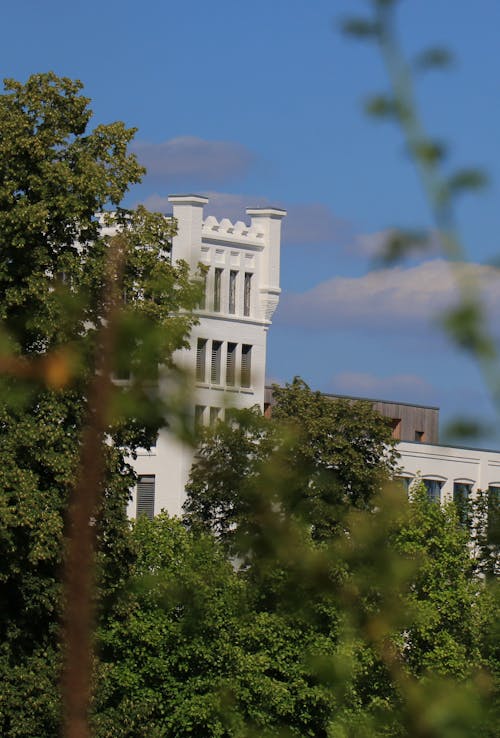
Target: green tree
376	597
169	656
56	176
190	653
334	454
482	515
445	596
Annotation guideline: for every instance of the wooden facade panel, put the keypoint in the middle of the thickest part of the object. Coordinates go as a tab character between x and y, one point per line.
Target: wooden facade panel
410	422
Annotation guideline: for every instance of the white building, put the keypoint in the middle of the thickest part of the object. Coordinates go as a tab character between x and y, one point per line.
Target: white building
227	358
227	353
450	472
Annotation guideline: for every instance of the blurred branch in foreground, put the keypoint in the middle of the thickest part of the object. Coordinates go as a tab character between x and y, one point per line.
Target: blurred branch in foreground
467	323
79	577
66	428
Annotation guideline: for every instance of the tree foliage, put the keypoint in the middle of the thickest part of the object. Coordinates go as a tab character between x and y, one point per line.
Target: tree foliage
327	455
56	176
304	596
377	596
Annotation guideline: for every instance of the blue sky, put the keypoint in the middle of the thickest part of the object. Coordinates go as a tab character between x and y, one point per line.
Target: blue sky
261	102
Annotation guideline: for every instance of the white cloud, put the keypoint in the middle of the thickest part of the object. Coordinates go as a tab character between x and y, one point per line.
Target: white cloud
305	223
157	203
194	160
312	223
408	386
233	206
221	204
397	299
373	245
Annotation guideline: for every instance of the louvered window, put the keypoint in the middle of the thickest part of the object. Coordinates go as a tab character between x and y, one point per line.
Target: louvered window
146	496
246	365
232	291
215	368
247	293
201	359
217	289
231	364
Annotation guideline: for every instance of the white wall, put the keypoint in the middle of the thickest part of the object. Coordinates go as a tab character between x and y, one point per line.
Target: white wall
252	248
449	464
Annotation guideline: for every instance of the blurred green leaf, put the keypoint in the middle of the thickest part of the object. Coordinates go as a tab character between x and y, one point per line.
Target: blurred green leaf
468	179
381	106
360	27
430	152
465	324
399	243
434	57
466	428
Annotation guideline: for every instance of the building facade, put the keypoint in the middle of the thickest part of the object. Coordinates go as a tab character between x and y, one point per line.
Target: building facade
448	472
227	352
227	360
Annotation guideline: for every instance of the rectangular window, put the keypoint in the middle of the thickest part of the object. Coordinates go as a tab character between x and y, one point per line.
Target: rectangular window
246	365
122	371
493	521
231	364
396	428
215	369
217	289
433	487
232	292
146	496
461	494
201	359
214	415
203	300
247	293
199	411
404	482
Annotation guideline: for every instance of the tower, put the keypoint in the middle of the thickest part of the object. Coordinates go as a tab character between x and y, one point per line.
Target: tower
227	351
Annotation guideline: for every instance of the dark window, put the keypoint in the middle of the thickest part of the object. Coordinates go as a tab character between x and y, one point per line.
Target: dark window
203	300
246	365
232	292
247	293
461	494
198	415
396	428
146	496
420	436
217	289
404	482
122	371
493	530
201	359
433	487
231	364
215	369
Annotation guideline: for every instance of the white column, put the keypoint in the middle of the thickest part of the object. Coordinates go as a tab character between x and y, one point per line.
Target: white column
188	212
268	222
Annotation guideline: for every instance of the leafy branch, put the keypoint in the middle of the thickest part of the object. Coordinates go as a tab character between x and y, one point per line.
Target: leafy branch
467	323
